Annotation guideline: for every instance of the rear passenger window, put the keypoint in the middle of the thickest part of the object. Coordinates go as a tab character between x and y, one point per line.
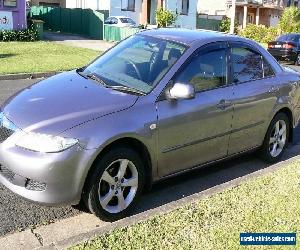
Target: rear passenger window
207	70
247	65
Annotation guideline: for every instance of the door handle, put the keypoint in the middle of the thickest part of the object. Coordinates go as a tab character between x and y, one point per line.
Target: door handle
273	89
224	104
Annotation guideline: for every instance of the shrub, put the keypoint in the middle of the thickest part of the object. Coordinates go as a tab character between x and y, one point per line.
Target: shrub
27	35
225	25
290	20
165	18
259	33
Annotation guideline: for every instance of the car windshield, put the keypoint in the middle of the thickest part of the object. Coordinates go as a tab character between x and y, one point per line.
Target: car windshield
127	20
138	62
289	38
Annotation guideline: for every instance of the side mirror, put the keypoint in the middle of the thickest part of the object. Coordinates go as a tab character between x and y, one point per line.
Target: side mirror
180	91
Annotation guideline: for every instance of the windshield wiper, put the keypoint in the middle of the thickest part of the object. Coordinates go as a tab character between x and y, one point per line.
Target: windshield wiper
80	72
97	79
103	83
127	89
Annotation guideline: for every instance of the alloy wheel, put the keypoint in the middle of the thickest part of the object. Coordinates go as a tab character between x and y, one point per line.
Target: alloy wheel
278	138
118	186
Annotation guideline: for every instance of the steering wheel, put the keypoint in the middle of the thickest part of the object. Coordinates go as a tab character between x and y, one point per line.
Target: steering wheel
135	68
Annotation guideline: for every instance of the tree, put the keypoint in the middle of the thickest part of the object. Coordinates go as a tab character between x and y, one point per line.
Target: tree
290	20
225	25
165	18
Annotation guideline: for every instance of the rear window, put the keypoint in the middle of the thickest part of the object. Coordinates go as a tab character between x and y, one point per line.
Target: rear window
289	38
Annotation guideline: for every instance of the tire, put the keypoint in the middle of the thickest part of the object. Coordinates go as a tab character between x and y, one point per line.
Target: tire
276	141
108	183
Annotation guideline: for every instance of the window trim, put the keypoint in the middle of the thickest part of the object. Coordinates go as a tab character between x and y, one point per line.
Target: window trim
241	44
132	10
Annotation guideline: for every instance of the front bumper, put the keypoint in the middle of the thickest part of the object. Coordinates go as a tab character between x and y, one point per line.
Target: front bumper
46	178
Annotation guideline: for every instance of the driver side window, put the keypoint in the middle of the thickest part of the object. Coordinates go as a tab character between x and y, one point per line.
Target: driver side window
207	70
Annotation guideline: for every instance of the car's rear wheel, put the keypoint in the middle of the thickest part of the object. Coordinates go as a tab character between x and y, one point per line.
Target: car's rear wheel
276	139
115	184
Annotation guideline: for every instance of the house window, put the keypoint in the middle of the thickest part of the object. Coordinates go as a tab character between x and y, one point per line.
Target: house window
10	3
128	5
185	7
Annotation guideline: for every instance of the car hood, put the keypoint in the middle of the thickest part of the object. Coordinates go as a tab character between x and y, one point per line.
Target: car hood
62	102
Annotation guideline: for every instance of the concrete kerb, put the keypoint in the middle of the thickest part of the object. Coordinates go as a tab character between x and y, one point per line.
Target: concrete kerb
27	75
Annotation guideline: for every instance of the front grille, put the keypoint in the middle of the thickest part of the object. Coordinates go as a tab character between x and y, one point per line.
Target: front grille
35	185
5	133
8	174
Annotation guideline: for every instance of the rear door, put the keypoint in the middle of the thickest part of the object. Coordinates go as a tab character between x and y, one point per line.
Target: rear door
255	95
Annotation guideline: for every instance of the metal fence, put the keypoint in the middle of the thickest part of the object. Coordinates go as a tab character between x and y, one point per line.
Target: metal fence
113	33
204	22
76	21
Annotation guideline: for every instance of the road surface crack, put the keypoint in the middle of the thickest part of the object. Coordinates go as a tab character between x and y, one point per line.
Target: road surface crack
38	237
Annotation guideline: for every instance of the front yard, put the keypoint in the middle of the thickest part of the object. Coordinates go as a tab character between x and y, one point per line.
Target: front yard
270	203
27	57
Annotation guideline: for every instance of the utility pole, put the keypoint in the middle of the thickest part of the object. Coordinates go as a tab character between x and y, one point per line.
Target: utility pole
232	20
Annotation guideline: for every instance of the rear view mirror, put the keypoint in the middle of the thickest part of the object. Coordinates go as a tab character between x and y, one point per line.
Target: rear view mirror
181	91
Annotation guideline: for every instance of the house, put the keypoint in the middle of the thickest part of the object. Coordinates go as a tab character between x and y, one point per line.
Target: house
265	12
48	3
143	11
13	15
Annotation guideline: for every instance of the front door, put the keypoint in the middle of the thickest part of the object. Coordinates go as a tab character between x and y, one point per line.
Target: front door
196	131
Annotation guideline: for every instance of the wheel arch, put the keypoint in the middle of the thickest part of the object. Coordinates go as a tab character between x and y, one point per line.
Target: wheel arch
128	142
289	114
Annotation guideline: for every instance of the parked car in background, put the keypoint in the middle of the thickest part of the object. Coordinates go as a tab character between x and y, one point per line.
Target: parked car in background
286	48
158	104
120	21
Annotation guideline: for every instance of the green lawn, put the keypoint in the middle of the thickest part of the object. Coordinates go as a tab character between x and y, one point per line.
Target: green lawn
270	203
26	57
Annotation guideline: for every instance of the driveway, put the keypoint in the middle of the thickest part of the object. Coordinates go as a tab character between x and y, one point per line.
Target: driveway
17	214
77	41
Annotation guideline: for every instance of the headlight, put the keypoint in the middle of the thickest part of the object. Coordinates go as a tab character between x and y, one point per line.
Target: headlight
45	143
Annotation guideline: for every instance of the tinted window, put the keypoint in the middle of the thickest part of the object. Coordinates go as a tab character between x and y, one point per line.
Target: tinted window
247	65
206	71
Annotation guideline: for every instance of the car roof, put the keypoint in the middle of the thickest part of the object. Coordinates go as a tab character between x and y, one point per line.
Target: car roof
185	36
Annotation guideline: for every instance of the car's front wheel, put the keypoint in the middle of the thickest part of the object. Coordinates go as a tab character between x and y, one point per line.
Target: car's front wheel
115	184
276	139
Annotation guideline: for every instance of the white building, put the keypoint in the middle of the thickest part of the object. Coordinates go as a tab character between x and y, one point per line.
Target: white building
143	11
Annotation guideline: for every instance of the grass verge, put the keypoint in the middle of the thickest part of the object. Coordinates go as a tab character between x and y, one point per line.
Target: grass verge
270	203
33	57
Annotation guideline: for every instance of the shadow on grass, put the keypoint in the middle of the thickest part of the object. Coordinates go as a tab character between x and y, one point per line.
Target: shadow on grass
6	55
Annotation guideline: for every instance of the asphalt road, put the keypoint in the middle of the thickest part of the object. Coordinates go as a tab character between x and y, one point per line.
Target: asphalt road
17	214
